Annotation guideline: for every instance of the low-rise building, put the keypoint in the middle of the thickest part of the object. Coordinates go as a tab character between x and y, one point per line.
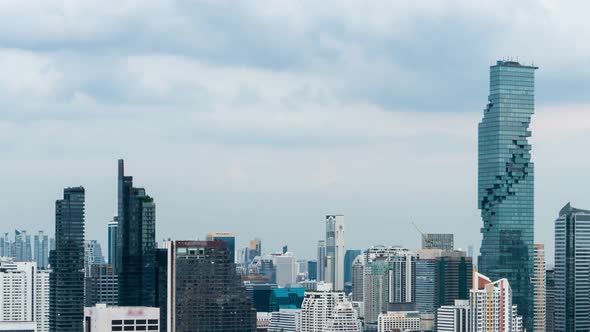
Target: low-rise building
398	320
103	318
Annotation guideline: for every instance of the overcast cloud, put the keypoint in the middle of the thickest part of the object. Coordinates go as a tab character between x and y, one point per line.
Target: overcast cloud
260	117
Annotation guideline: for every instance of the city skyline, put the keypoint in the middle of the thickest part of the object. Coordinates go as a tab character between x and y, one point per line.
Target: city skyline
282	131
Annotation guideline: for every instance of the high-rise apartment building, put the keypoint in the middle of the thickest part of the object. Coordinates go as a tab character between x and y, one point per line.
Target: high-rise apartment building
358	268
318	307
335	251
572	268
101	286
344	319
550	301
321	260
204	289
41	250
24	293
438	241
113	245
491	306
92	255
66	301
136	244
539	288
506	182
389	278
227	237
454	318
285	320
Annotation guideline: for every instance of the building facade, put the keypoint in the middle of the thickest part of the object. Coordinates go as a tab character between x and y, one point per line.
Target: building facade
454	318
358	267
103	318
136	244
286	269
344	319
285	320
41	250
92	255
506	182
226	237
572	268
550	301
335	251
318	307
66	281
321	260
113	245
398	320
204	289
539	288
438	241
491	306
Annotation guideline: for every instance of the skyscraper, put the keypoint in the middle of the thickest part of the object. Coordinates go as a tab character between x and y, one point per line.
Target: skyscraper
335	251
204	289
572	268
112	250
550	301
349	258
321	260
137	244
312	270
227	237
358	267
92	255
539	288
66	281
506	182
41	250
22	246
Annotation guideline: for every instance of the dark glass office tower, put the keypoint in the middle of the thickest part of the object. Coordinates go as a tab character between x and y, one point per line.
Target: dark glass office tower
505	182
66	281
113	243
136	263
205	290
550	300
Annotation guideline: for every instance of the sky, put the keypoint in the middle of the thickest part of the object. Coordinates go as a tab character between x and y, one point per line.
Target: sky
261	117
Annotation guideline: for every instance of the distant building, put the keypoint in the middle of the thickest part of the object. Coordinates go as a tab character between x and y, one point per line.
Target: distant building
104	318
454	318
398	320
226	237
335	251
285	320
312	270
438	241
321	261
491	306
101	285
41	250
539	288
92	255
349	258
318	307
550	301
286	269
358	267
389	278
426	285
22	246
572	268
344	319
66	281
204	289
113	235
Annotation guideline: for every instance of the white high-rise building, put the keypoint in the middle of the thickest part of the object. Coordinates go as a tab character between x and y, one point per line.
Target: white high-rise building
344	319
398	320
285	320
335	251
24	293
389	277
42	300
491	306
286	269
318	307
539	288
454	318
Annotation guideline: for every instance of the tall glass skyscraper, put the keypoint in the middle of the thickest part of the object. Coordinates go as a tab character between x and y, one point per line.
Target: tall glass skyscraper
136	256
505	182
66	281
571	291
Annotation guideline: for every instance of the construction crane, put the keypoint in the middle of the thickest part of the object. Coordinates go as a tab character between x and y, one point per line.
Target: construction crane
427	242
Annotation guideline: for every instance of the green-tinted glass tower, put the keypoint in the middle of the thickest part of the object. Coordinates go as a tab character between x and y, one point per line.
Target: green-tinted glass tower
506	182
